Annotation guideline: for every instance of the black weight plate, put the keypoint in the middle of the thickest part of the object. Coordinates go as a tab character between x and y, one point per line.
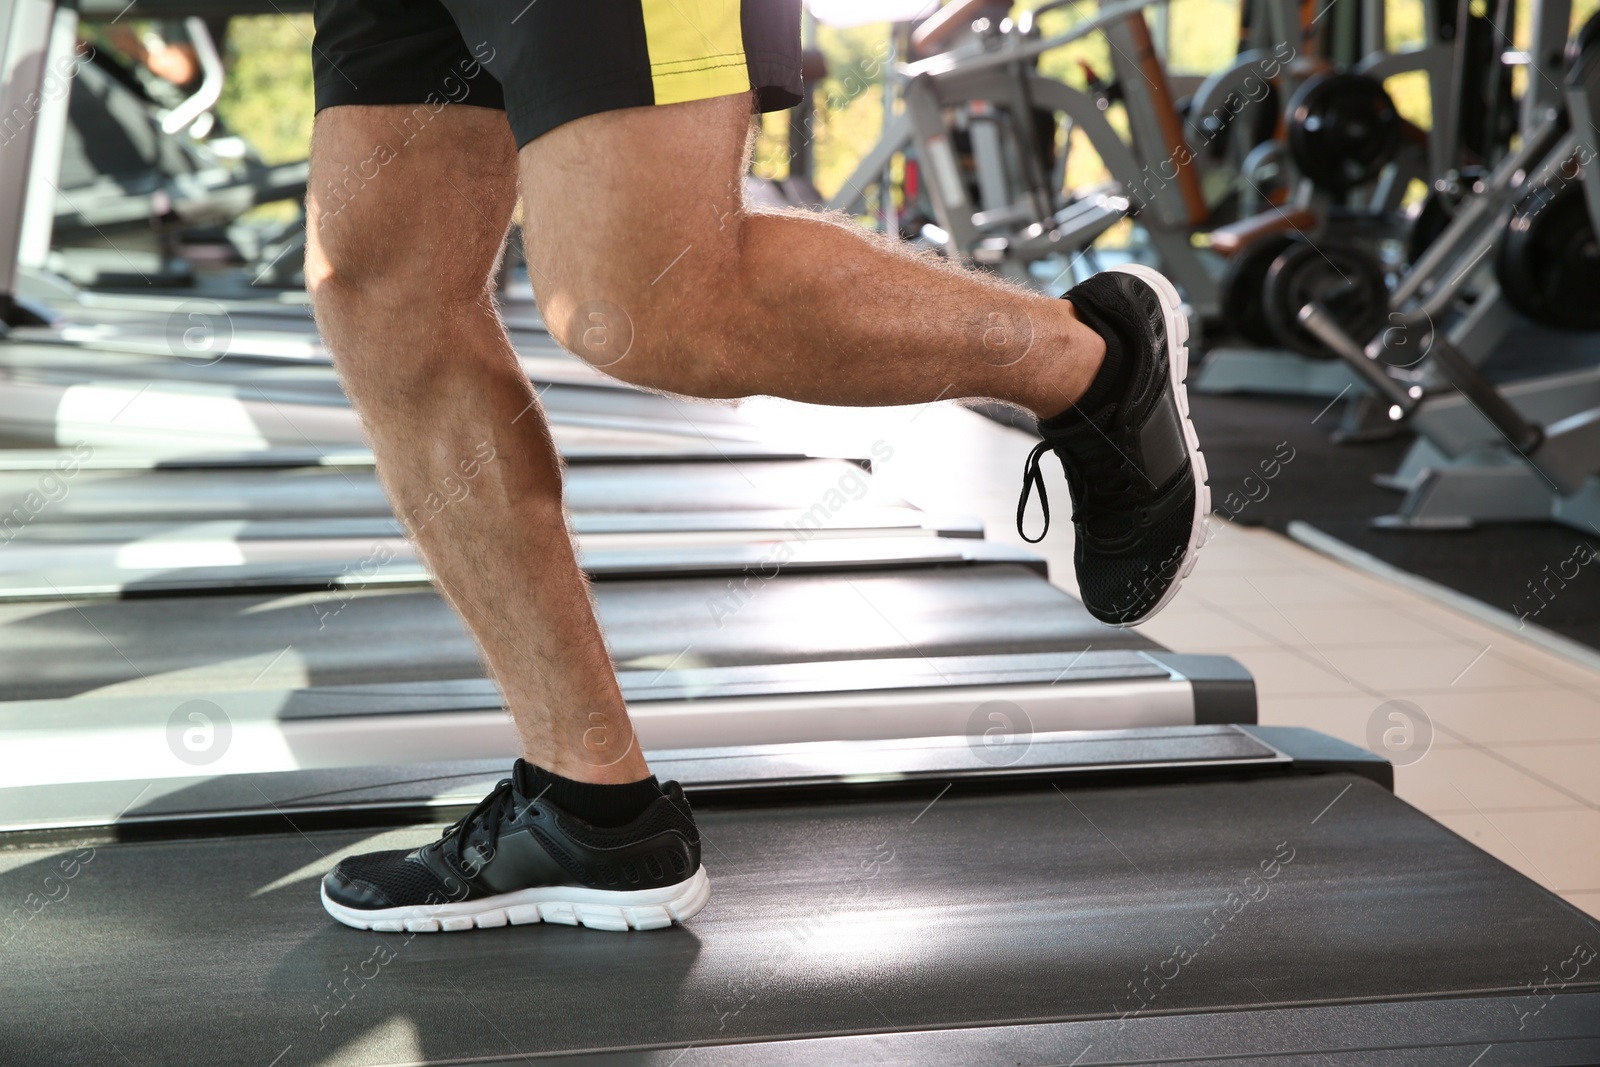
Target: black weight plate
1242	286
1548	264
1346	280
1343	128
1511	268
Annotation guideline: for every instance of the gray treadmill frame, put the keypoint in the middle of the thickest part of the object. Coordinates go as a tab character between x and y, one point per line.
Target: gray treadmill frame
387	794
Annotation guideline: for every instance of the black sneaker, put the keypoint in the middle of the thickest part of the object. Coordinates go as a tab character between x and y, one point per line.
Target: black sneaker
1134	466
518	859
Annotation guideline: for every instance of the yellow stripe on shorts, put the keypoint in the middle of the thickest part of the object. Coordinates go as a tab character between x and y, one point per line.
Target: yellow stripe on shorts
696	49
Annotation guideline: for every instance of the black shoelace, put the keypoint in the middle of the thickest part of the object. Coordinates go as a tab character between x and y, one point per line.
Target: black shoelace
492	813
1033	477
1116	493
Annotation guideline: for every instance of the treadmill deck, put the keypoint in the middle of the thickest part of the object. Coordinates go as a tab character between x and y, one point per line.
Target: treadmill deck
880	916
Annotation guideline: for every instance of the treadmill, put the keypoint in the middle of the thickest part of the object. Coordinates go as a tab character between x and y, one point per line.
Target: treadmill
1182	896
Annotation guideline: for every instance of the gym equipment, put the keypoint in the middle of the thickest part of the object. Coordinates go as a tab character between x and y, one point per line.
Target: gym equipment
1433	216
44	413
989	170
1527	451
873	624
1548	263
1006	210
43	565
1343	130
1346	280
1244	285
143	390
891	784
256	488
1131	896
1452	233
134	178
393	678
277	487
717	632
1468	86
205	338
886	627
733	565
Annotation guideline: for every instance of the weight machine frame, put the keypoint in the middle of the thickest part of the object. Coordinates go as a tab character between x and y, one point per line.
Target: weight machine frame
1009	229
1529	451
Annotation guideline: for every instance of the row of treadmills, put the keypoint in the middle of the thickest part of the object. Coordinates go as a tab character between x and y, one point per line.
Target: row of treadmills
950	819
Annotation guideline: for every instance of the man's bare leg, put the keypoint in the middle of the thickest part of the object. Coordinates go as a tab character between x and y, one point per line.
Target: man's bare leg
640	212
400	261
400	268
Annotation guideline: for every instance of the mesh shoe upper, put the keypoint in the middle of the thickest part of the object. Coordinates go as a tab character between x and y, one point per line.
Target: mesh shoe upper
393	877
1127	464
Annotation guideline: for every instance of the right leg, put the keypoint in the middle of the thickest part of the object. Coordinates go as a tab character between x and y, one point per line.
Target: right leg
408	207
407	212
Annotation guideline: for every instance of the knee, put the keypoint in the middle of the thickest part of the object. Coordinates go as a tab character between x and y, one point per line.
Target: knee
338	300
354	287
373	306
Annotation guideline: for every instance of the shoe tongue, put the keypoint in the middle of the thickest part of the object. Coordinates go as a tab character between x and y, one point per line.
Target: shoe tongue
526	779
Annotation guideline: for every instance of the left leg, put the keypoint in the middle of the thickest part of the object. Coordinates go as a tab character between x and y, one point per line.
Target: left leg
640	212
635	223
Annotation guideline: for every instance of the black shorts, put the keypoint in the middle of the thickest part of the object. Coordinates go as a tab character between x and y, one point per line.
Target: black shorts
546	62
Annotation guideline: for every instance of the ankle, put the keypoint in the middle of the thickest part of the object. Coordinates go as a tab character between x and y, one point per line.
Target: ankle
602	804
1081	357
626	770
590	738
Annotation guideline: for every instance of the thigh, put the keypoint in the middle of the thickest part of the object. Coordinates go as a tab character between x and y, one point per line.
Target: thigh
635	211
633	120
412	163
401	192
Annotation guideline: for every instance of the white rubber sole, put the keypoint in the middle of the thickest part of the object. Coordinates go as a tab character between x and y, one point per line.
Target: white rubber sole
1177	375
598	909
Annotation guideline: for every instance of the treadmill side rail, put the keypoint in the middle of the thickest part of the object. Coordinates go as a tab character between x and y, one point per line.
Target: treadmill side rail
1318	753
1224	691
382	795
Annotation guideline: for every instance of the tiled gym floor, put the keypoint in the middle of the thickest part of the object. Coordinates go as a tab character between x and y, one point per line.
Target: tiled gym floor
1514	762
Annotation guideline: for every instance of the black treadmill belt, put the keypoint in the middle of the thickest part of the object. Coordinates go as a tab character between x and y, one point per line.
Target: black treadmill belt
879	916
348	638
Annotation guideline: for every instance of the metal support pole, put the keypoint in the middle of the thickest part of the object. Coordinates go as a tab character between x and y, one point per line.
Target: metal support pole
25	27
